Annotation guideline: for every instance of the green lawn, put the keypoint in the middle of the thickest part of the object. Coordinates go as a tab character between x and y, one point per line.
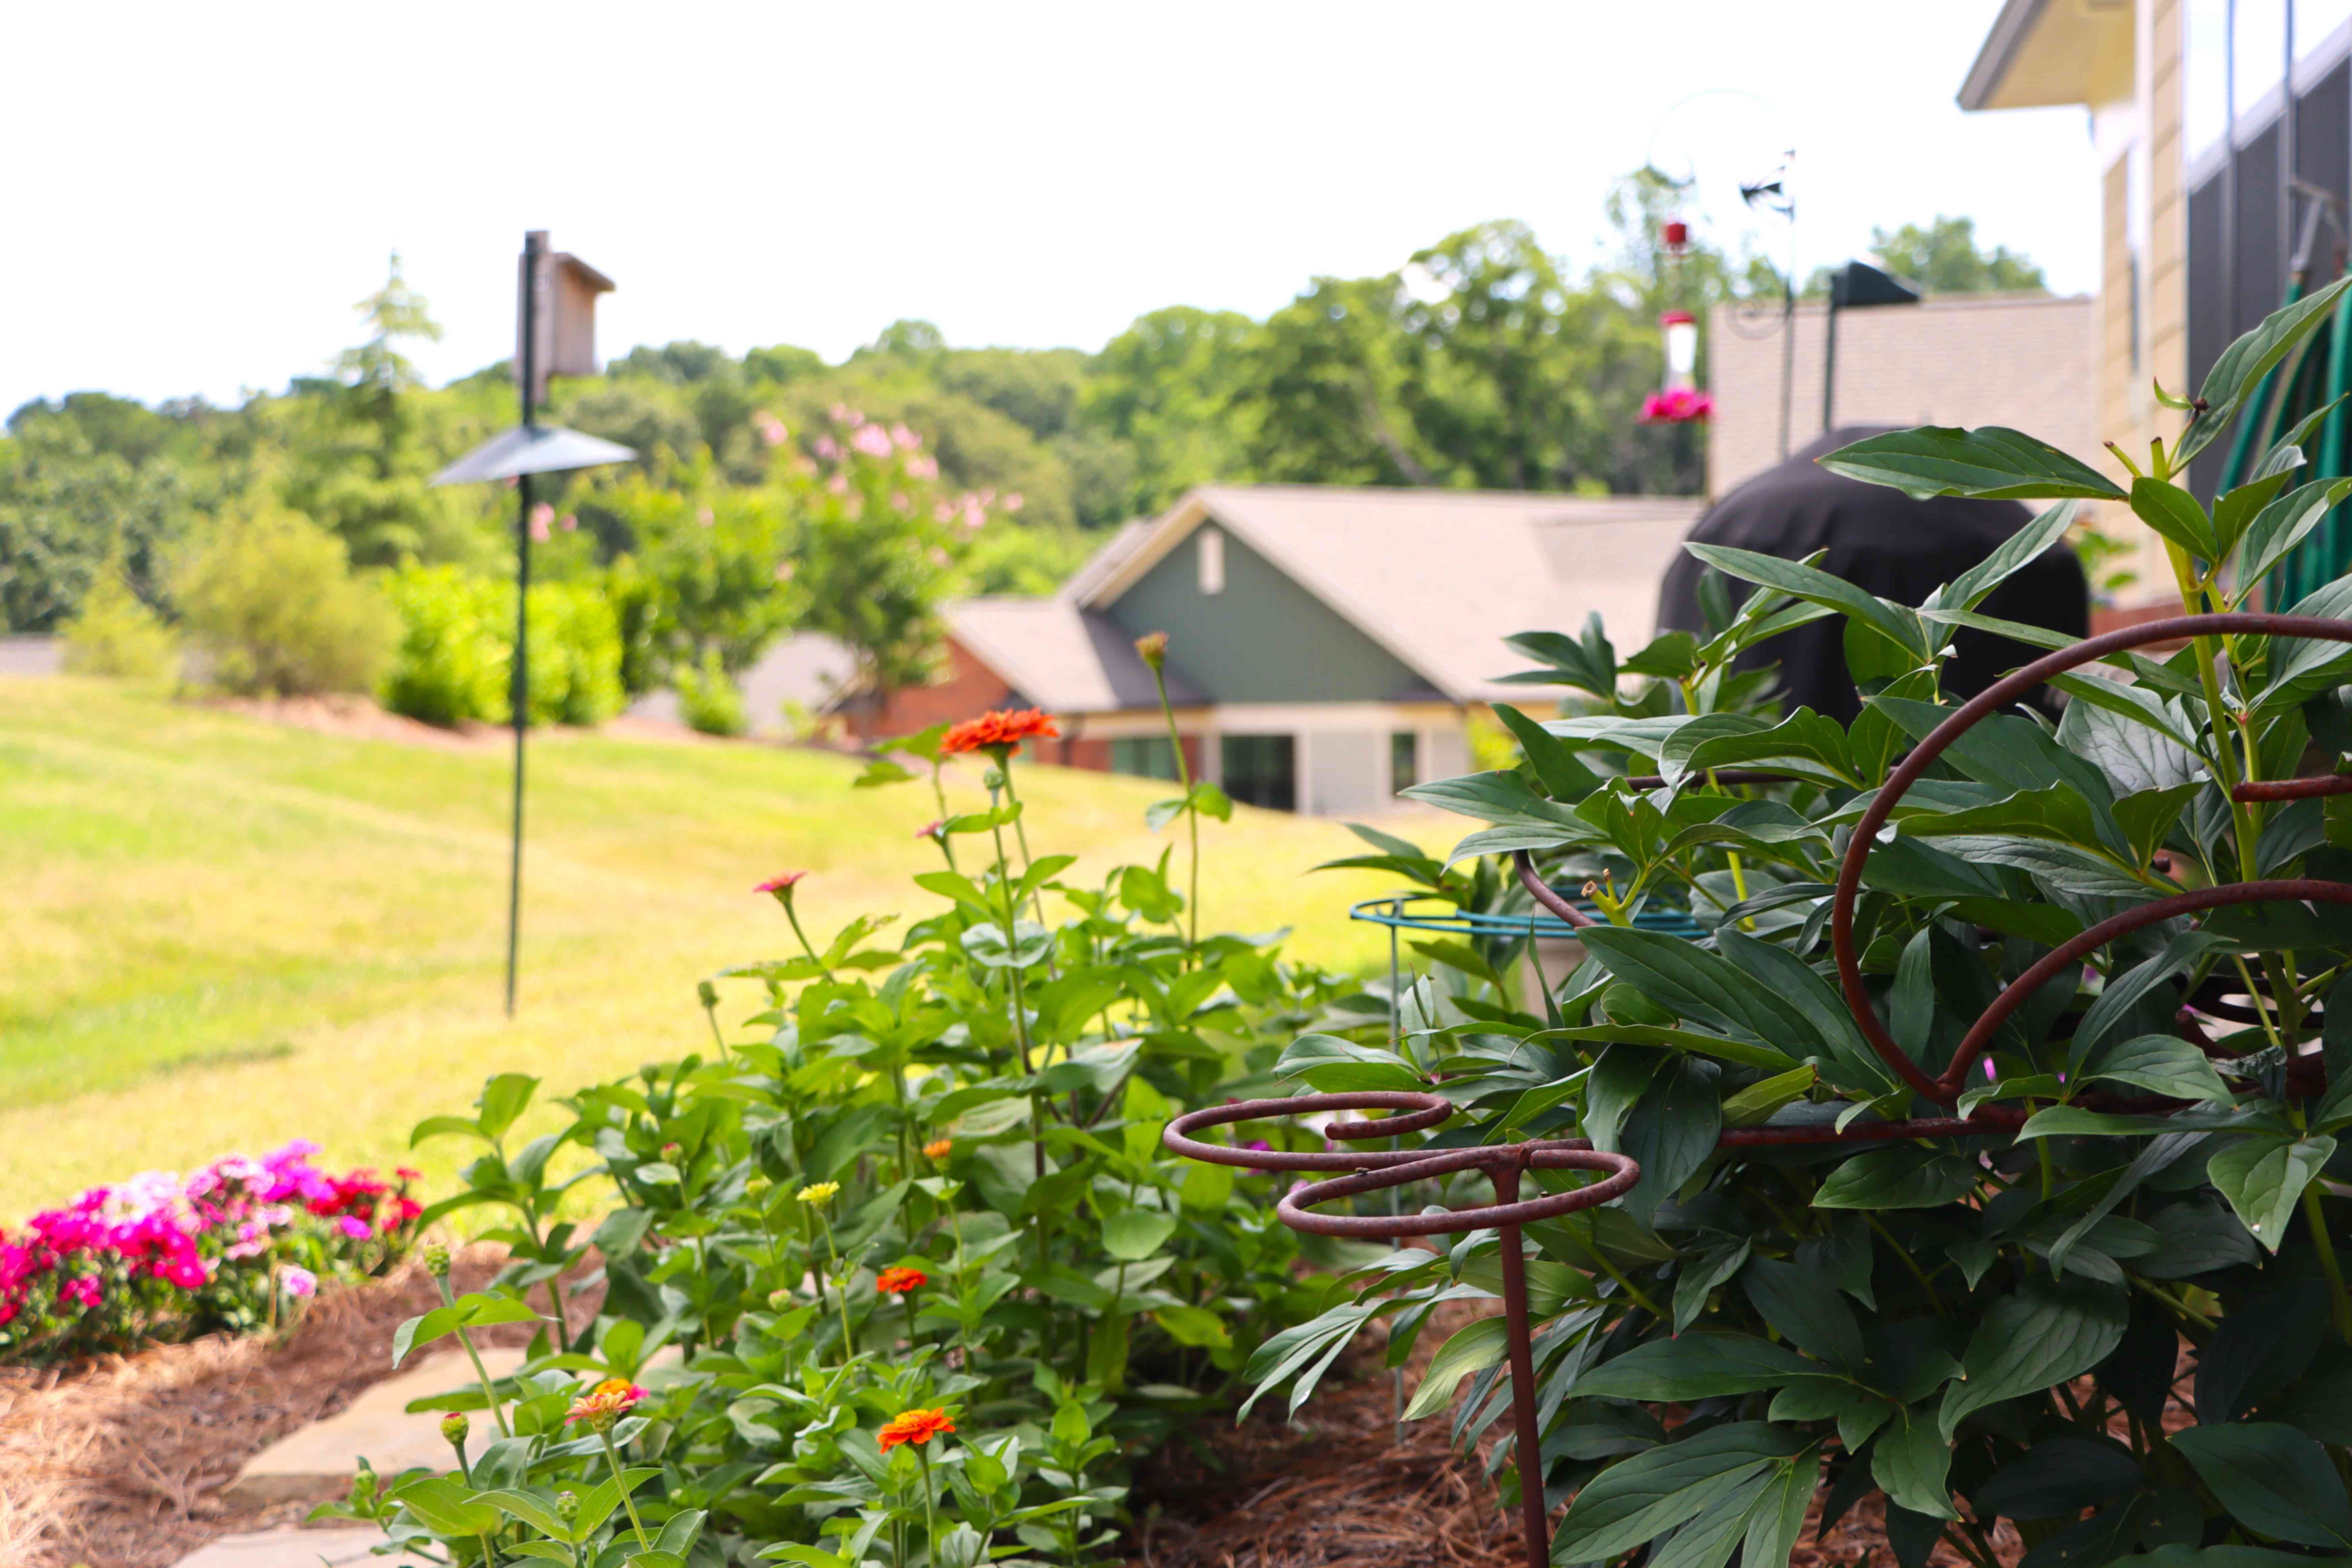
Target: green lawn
222	932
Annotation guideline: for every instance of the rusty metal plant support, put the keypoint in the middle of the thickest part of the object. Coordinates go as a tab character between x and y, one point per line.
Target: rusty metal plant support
1370	1170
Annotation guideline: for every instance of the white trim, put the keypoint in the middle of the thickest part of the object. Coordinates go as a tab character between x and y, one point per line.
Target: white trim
1209	555
1305	717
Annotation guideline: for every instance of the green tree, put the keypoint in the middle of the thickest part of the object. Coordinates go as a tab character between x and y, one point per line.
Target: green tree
271	598
1162	409
1332	384
66	509
1944	258
358	466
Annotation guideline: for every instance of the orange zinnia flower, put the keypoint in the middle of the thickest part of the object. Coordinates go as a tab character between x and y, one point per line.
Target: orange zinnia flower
916	1427
999	734
940	1149
899	1281
606	1403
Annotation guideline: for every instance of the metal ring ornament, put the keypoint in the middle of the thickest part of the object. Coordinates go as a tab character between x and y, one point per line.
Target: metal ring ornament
1946	1090
1296	1207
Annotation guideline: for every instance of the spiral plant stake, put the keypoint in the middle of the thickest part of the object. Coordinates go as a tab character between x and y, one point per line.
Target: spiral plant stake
1504	1164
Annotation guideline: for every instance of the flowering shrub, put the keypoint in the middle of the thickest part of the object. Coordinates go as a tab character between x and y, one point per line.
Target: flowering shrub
927	1279
160	1256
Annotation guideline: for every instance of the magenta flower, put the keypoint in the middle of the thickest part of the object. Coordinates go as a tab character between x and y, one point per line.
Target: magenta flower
297	1281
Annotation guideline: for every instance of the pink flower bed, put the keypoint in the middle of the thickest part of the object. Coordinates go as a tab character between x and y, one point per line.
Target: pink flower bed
162	1256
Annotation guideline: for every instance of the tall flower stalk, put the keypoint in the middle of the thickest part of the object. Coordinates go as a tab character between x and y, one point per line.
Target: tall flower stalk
1153	650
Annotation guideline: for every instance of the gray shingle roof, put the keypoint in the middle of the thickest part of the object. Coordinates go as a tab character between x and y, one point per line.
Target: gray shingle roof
1438	577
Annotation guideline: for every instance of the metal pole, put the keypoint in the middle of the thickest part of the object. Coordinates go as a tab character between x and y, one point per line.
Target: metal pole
2286	151
1788	350
1534	1527
1829	352
518	697
2230	172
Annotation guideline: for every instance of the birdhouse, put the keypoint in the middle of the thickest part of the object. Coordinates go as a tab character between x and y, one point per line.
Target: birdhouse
561	311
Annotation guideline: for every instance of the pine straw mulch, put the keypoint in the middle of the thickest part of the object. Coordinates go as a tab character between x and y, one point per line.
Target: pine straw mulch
117	1462
1335	1489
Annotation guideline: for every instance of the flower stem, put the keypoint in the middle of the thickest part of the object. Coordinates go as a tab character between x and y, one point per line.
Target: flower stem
498	1415
806	946
930	1517
1191	808
613	1456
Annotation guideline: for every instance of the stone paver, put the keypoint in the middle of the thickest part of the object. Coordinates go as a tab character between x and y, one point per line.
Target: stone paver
291	1547
323	1457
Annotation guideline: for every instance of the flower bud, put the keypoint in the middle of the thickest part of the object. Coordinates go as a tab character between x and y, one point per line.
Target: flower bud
1153	648
758	1187
364	1488
436	1261
672	1151
780	1301
707	993
567	1506
453	1428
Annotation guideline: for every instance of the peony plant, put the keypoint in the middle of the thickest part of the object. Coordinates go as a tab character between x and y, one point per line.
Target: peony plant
1989	1128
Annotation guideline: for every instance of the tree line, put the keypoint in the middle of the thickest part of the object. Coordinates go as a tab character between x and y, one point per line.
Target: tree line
1484	361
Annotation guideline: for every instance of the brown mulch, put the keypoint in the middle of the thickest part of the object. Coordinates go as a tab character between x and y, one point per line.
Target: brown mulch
117	1461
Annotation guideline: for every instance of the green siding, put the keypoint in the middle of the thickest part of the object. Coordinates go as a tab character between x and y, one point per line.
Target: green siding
1264	639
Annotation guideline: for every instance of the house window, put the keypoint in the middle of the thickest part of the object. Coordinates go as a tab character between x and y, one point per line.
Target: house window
1143	756
1404	761
1212	550
1261	770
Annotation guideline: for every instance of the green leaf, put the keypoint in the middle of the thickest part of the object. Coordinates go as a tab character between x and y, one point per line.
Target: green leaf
1474	1348
1587	663
1992	463
2058	1477
2279	527
1709	1539
1335	1066
1637	1499
1893	622
447	1506
503	1100
2274	1480
2161	1064
1700	1364
2125	990
1501	797
1911	1461
2175	515
1778	1516
985	944
1804	744
2264	1176
2041	1335
1194	1326
1807	1308
1747	1053
2213	1557
2242	366
1133	1234
1555	762
2013	555
1698	1279
1700	985
1758	1100
1899	1178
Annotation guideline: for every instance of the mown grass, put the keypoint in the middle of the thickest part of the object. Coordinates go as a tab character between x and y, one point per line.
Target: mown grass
220	932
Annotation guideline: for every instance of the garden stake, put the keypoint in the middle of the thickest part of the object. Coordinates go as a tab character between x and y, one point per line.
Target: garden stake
1386	1170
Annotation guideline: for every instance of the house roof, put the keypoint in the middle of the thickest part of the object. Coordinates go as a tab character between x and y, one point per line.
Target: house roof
2040	54
1437	577
1060	656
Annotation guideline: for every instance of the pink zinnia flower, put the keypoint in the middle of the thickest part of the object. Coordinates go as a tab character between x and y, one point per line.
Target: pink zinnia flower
780	886
297	1281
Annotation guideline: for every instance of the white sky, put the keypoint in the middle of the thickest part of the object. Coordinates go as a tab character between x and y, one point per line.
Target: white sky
200	193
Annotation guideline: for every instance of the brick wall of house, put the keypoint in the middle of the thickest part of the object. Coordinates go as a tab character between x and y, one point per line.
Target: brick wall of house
968	689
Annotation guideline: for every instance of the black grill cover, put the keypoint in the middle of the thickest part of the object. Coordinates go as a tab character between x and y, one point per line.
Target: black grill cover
1884	543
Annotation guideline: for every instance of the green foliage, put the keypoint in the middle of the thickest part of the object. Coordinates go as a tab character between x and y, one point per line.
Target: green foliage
922	1176
708	698
116	634
1943	257
456	646
1981	1324
270	600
